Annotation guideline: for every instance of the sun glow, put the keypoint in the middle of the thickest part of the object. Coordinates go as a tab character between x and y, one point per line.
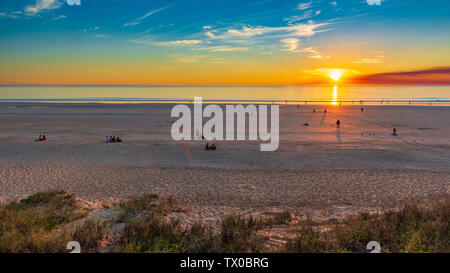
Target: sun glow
335	74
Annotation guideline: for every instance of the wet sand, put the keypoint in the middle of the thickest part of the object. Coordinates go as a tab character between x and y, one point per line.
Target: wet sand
318	169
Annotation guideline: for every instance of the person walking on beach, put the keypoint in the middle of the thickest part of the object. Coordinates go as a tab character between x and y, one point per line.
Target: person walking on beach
362	109
338	123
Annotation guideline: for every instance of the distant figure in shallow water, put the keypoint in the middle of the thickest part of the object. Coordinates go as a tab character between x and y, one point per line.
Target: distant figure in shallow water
394	132
362	110
338	123
314	110
207	147
325	110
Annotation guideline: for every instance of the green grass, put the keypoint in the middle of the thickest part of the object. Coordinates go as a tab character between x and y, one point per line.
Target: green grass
237	234
410	229
46	222
41	223
147	229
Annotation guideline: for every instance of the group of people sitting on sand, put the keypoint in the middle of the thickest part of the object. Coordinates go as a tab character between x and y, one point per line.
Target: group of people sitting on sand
41	138
113	139
210	147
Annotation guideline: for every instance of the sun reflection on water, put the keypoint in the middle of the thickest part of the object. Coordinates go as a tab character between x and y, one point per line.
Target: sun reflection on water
335	95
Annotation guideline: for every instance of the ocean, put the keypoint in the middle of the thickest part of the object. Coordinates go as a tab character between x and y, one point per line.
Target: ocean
345	94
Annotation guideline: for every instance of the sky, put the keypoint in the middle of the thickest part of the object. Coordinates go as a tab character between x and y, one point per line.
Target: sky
234	42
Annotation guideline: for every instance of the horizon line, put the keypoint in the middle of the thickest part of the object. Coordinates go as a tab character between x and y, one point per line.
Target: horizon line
221	85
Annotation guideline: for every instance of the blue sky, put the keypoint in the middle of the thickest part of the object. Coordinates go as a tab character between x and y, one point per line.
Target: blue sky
185	37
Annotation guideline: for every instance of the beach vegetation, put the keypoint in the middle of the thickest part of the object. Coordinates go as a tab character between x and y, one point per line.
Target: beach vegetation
46	222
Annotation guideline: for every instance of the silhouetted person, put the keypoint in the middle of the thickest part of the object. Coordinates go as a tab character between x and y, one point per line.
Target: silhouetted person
207	147
325	110
314	110
338	123
362	109
118	139
213	147
394	132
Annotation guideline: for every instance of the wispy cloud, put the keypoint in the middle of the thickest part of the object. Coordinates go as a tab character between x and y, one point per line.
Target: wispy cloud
182	58
42	5
304	5
305	29
313	53
376	60
11	14
223	48
147	40
247	31
368	61
306	15
300	30
291	44
248	35
139	20
188	58
59	17
146	31
373	2
181	42
435	75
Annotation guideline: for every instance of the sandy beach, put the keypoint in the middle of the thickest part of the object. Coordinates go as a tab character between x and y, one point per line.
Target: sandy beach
318	169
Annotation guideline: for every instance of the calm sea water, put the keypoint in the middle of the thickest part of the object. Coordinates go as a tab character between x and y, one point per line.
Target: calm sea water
291	94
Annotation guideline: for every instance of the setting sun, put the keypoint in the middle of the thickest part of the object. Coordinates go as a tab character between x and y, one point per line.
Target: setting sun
335	74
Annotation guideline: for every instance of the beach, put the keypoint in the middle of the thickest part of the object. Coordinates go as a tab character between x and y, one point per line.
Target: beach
318	170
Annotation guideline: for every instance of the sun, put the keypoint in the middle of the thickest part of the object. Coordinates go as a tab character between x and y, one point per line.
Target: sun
335	74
